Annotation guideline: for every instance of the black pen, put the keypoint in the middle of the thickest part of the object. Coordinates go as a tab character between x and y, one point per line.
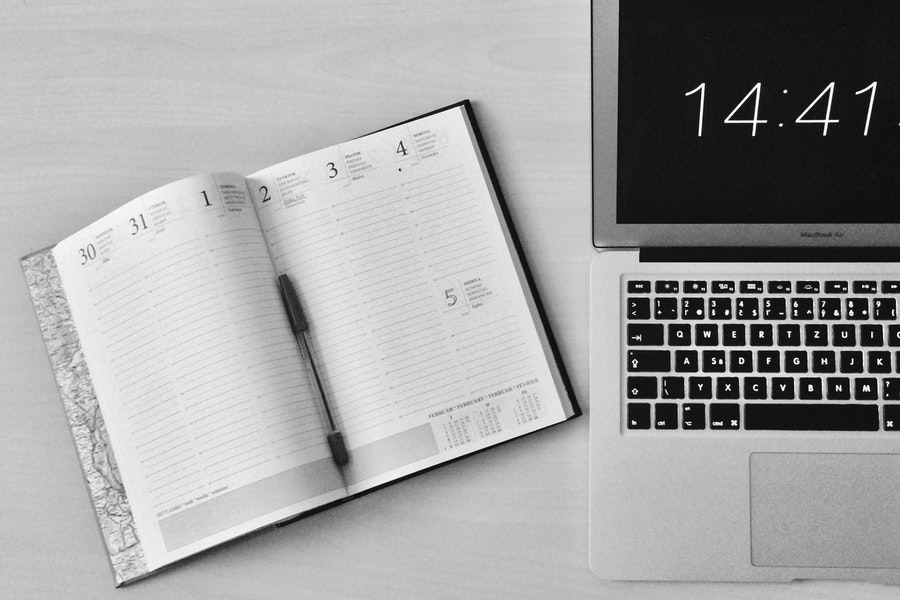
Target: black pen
300	327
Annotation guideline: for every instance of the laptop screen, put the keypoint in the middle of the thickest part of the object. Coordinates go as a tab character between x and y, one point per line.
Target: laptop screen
764	111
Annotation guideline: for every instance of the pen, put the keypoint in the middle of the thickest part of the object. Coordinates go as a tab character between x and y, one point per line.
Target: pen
300	327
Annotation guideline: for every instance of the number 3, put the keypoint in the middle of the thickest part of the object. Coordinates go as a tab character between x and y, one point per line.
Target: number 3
332	170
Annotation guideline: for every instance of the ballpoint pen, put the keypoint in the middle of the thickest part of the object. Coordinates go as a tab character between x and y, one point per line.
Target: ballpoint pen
300	327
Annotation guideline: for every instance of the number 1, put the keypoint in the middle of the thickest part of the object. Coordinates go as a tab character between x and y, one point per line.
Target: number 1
702	89
872	86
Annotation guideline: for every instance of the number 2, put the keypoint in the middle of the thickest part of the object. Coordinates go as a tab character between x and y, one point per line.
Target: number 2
265	192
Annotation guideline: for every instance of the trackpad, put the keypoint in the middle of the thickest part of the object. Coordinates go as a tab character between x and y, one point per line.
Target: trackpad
825	510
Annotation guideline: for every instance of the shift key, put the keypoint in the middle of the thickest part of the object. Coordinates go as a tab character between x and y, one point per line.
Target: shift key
649	361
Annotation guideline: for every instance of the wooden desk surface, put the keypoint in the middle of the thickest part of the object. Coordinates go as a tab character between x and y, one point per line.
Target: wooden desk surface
102	101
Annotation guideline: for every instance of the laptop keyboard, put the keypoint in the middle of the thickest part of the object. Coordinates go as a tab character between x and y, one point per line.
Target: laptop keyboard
761	354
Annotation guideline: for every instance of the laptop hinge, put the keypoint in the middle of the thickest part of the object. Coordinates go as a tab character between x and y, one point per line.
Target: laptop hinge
749	254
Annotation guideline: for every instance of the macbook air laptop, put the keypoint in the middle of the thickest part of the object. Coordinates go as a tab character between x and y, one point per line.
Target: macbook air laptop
745	345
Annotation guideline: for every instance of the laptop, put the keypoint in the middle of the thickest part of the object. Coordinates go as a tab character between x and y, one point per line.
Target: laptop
745	345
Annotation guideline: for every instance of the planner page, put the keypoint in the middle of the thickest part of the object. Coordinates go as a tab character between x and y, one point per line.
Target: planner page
199	379
416	301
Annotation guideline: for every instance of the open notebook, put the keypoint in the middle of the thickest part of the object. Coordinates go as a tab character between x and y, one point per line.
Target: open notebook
172	349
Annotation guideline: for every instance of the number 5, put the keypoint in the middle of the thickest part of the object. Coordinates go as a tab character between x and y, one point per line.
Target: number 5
451	298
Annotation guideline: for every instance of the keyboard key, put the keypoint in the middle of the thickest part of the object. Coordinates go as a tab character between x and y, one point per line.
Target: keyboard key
884	309
768	361
724	416
723	287
779	287
774	309
638	287
679	335
892	418
807	287
871	335
810	388
706	335
693	416
741	361
893	335
836	287
751	287
672	388
782	388
891	387
720	308
851	361
803	309
666	308
829	308
823	361
890	287
795	361
714	361
747	309
844	335
865	388
638	415
811	417
641	388
694	287
666	416
666	287
644	334
692	308
865	287
817	335
754	388
638	308
879	361
727	388
838	388
760	335
857	309
648	361
733	334
686	361
700	388
788	335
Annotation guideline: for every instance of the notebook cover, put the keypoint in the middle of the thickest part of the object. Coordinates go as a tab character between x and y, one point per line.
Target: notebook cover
117	527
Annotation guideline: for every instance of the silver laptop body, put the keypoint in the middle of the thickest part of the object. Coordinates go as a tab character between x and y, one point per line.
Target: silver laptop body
741	500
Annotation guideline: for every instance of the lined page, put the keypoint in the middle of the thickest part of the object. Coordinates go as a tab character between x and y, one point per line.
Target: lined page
399	253
200	381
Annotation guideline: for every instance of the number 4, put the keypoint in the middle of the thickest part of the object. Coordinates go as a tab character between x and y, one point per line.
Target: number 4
755	120
829	89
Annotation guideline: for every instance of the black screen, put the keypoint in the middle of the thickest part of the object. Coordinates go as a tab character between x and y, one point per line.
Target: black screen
756	69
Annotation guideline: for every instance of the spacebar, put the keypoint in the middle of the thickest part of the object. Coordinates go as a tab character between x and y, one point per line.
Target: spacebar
811	417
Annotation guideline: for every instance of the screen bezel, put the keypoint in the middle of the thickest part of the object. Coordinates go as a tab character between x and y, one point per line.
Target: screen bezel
607	232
